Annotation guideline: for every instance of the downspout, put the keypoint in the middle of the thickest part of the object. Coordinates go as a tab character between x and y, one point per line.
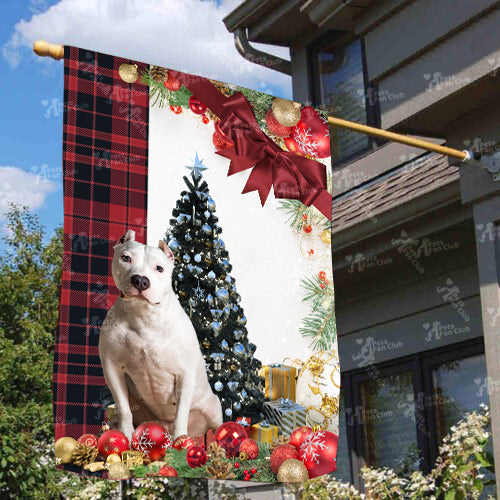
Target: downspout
257	56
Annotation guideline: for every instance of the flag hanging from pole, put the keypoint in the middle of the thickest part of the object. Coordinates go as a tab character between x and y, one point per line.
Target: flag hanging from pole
197	260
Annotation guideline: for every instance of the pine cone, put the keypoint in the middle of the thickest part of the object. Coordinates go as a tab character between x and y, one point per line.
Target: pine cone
214	451
84	455
278	441
158	74
220	469
222	87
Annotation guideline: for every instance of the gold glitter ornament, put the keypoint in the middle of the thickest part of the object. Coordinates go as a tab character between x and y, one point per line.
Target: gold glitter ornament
64	449
128	72
315	365
118	470
292	471
326	237
113	459
286	112
329	406
95	466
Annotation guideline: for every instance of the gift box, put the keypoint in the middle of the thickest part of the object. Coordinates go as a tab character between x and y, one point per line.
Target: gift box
286	414
245	422
280	381
264	432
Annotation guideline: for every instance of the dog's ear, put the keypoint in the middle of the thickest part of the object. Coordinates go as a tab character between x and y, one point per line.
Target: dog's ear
162	245
128	236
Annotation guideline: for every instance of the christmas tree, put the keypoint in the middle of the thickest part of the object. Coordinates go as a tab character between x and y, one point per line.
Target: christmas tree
207	292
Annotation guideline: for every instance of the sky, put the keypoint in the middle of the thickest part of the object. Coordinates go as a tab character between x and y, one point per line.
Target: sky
186	35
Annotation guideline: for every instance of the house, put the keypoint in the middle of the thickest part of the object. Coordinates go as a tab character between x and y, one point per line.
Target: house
416	247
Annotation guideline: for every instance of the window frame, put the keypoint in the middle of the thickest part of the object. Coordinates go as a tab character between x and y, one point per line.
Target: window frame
338	39
420	364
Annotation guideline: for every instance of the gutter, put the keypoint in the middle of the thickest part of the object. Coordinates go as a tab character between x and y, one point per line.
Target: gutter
258	56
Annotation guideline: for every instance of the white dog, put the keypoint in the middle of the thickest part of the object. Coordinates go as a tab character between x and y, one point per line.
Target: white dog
149	351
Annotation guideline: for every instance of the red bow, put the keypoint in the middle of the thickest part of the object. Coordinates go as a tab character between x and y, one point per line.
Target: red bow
290	175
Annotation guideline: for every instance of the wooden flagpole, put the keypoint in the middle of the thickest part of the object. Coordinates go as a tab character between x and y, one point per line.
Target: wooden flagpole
45	49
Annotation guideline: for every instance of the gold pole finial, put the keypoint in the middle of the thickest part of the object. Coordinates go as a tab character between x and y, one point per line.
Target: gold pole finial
43	48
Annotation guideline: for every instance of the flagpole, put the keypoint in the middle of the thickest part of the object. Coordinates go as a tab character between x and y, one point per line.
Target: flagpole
45	49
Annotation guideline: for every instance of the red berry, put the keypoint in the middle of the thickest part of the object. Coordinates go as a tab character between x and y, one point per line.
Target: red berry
237	465
322	275
253	471
307	228
205	119
322	285
246	478
327	282
176	109
245	472
304	217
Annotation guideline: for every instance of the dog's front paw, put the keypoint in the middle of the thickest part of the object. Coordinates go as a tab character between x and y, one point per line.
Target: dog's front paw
127	429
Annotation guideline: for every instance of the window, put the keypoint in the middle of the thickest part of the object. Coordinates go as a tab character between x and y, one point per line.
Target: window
339	85
397	413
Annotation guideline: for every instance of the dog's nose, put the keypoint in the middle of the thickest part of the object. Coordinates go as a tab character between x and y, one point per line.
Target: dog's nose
140	282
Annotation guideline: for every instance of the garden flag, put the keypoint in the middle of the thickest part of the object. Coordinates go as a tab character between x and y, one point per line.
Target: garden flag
196	329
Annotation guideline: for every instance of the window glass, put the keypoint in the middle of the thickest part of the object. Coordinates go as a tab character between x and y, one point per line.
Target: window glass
459	387
389	427
342	90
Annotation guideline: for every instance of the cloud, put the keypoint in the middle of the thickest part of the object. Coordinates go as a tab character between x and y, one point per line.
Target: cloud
24	188
187	36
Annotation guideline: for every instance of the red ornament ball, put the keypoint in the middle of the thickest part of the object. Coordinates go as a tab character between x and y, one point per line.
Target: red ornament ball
246	478
311	134
322	275
250	447
112	441
205	119
253	471
89	440
152	439
196	106
171	83
307	228
176	109
183	442
221	141
292	146
275	126
168	471
319	453
196	456
281	453
237	465
229	436
298	436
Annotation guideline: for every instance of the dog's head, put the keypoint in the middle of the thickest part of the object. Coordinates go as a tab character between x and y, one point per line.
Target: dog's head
142	272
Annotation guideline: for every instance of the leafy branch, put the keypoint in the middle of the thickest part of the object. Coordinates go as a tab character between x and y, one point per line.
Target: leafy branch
295	211
161	96
319	325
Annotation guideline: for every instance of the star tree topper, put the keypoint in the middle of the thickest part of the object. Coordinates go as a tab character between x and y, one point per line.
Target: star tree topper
197	167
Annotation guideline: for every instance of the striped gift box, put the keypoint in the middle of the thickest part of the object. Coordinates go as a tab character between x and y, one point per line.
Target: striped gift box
286	414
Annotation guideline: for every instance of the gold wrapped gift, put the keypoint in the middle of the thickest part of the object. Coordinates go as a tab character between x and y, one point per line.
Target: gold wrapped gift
280	381
264	432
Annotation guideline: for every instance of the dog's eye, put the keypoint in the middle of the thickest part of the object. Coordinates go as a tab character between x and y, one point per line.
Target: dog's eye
126	258
159	269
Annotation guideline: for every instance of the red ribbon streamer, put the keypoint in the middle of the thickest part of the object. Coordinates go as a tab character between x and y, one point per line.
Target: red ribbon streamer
291	176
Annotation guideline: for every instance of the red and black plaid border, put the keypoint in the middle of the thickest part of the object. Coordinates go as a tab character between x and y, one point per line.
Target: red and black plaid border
105	161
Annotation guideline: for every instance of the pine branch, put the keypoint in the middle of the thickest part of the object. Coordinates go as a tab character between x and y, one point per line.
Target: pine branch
320	327
161	96
295	210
